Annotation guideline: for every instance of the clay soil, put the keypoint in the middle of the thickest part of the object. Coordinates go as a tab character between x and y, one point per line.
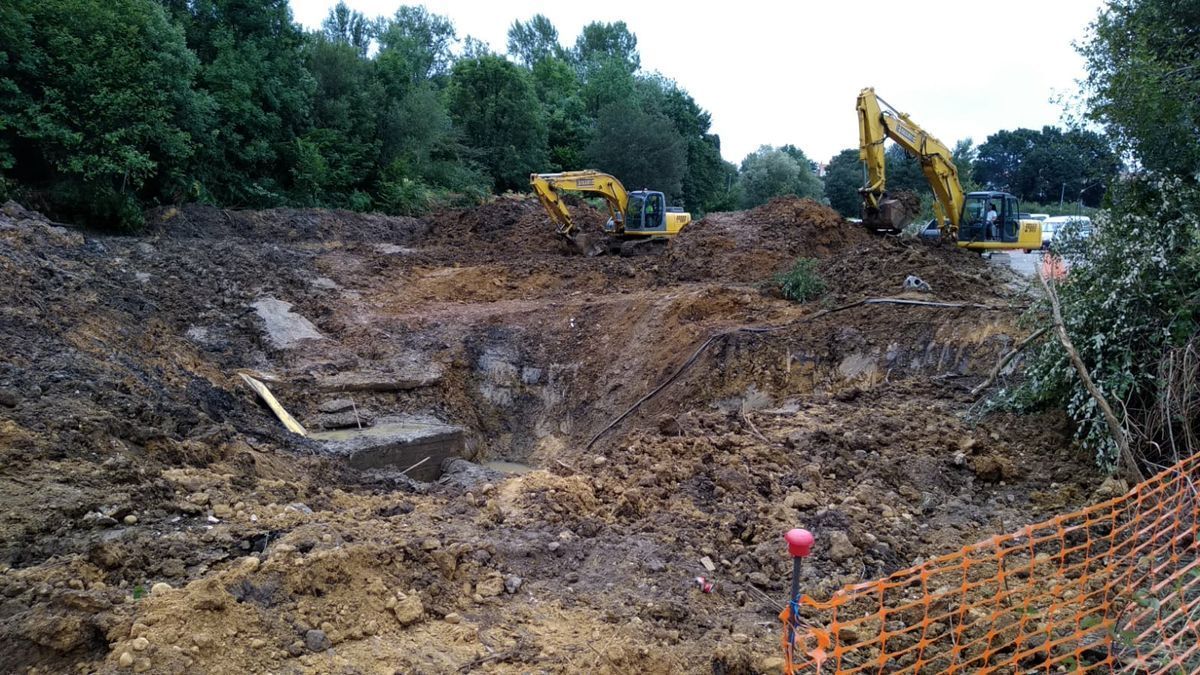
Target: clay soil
156	517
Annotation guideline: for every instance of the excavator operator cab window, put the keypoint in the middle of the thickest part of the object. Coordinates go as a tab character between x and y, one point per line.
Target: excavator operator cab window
655	208
1009	225
633	213
974	220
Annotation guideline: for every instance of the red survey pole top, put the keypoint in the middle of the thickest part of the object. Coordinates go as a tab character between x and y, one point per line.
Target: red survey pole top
799	542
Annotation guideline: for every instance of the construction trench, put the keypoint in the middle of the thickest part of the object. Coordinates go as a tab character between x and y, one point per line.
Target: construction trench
483	482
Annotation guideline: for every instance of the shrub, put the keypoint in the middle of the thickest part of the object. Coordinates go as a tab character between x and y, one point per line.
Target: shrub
1132	296
801	283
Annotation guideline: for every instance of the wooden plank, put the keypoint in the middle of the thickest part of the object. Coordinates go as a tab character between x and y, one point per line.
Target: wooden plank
273	403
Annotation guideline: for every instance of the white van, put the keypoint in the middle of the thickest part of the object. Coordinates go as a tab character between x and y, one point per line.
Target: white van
1051	227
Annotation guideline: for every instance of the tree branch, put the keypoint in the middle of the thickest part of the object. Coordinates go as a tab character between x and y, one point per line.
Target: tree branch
1114	425
1005	359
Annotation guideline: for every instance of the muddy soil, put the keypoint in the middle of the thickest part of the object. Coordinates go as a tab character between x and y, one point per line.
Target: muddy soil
158	518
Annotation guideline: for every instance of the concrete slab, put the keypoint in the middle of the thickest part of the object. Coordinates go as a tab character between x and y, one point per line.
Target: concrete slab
400	375
284	327
396	443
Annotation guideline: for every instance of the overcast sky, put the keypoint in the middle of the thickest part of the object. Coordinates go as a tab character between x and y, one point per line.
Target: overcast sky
777	72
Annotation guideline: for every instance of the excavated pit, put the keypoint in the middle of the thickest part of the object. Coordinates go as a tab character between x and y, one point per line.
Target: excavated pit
134	454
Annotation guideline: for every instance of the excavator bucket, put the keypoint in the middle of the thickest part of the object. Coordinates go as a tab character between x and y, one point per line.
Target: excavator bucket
588	243
894	213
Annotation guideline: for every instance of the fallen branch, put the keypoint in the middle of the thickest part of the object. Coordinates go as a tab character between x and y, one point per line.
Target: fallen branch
1004	360
691	360
1110	418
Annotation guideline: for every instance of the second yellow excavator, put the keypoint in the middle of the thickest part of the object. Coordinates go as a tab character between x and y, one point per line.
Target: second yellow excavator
981	221
635	218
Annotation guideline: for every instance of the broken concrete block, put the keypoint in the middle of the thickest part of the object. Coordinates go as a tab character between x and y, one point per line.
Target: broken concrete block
284	327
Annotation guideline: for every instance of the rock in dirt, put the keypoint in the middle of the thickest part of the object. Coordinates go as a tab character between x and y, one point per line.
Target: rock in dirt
409	610
491	586
669	426
125	660
513	584
336	405
994	468
801	500
316	640
160	588
1111	488
8	398
840	548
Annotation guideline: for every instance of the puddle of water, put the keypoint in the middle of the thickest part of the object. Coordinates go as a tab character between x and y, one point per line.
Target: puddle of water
508	467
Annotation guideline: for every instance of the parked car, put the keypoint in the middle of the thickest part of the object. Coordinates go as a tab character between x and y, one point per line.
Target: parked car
931	230
1039	216
1057	226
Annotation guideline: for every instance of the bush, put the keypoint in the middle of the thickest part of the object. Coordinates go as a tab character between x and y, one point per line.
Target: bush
1132	296
801	283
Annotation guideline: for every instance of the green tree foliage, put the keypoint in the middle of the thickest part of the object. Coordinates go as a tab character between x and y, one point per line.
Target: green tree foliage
772	172
1131	295
1047	165
419	43
253	68
96	105
904	172
1143	83
601	42
346	26
108	107
642	149
494	103
533	41
843	178
1131	300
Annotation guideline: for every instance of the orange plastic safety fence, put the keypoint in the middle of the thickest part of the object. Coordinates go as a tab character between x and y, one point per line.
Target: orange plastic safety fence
1114	587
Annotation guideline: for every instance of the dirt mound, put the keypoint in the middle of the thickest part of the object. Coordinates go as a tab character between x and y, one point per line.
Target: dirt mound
751	246
878	267
510	223
200	221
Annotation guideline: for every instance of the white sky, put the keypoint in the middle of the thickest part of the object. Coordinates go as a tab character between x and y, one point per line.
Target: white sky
788	72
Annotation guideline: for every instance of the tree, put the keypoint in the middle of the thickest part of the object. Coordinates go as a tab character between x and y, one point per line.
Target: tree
1143	84
843	178
346	26
1130	299
339	155
494	104
601	42
97	106
771	172
964	155
1048	165
642	149
253	68
534	41
567	123
419	43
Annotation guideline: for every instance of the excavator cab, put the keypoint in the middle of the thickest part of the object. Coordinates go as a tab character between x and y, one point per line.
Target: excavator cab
974	225
646	214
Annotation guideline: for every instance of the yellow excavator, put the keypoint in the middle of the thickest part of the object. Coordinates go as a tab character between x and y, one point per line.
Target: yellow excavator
982	221
635	218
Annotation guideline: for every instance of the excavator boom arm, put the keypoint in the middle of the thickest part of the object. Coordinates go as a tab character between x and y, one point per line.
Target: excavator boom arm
548	187
878	121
